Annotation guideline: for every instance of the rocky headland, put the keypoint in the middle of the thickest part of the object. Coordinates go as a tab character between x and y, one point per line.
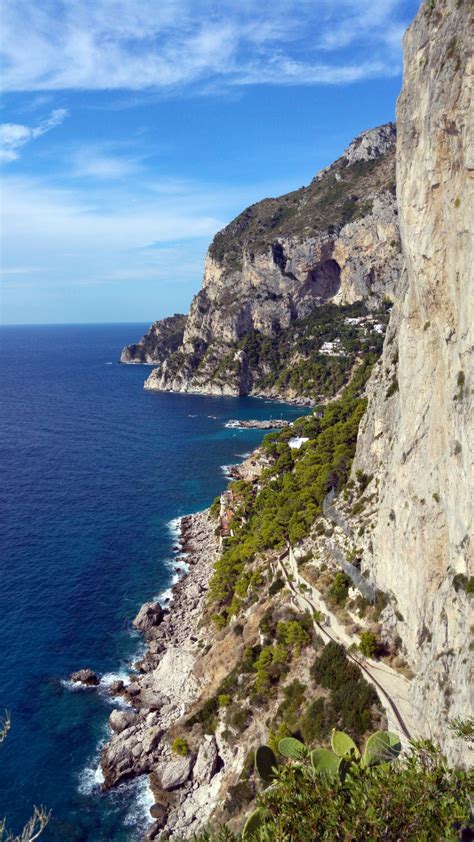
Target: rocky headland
162	339
276	276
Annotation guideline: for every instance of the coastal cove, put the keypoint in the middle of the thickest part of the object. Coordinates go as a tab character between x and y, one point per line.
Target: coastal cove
95	469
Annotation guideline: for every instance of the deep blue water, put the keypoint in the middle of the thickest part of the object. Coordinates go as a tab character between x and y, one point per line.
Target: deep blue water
93	468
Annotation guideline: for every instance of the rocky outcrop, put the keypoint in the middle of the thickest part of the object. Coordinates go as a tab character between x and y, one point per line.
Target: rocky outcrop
336	240
162	339
271	424
149	616
417	437
85	676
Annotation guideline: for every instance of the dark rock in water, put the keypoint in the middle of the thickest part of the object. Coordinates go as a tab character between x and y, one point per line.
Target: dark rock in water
85	676
149	616
116	688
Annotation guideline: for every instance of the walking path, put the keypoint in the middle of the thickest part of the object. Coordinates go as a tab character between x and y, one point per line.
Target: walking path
392	686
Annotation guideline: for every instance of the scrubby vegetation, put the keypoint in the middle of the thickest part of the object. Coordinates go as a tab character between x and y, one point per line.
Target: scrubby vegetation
259	673
291	361
179	746
288	497
414	797
353	704
327	203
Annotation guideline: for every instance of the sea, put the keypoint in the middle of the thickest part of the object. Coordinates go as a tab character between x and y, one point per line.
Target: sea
95	472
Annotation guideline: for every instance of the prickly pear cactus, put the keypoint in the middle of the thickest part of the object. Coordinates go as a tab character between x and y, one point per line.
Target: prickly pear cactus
381	747
252	825
289	747
344	746
326	763
265	763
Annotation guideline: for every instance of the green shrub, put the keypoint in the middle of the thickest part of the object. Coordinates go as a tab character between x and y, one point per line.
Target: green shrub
316	723
215	508
464	583
294	635
363	480
276	586
340	588
179	746
206	716
293	697
368	644
353	701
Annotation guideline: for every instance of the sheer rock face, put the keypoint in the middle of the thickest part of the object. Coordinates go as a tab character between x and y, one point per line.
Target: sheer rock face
336	240
162	339
417	437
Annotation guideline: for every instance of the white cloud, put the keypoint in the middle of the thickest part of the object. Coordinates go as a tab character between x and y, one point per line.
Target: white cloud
122	44
103	234
14	135
96	163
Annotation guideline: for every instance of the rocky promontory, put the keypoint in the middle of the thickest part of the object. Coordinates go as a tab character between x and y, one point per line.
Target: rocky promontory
162	339
334	242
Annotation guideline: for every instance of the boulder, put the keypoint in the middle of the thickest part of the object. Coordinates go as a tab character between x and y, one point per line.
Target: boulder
85	676
206	760
149	616
116	688
173	773
158	812
121	719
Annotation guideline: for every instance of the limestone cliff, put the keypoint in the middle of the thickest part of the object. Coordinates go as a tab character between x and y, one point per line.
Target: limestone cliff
417	437
335	241
162	339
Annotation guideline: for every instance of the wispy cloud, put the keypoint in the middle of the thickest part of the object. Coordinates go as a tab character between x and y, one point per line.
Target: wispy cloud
93	235
122	44
96	162
15	135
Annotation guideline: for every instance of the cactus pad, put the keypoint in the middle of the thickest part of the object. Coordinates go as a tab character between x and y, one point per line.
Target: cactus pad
344	746
326	763
381	747
289	747
265	762
252	825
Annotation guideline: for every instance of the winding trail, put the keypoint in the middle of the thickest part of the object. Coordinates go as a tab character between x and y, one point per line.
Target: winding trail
393	687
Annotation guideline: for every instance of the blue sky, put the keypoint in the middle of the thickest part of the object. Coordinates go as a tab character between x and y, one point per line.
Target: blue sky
133	131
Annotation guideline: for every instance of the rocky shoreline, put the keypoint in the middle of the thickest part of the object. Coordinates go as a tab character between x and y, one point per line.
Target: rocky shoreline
160	691
272	424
